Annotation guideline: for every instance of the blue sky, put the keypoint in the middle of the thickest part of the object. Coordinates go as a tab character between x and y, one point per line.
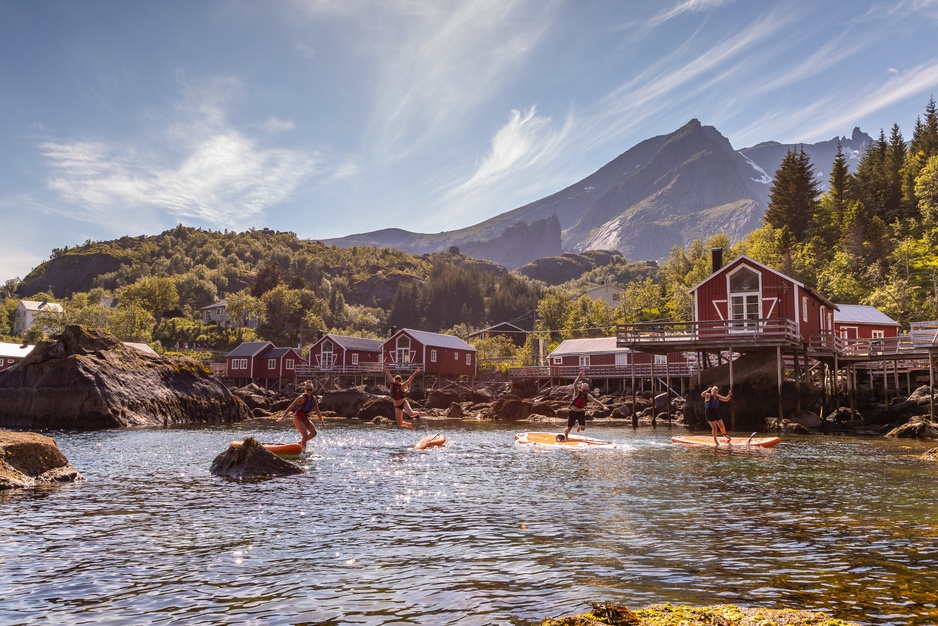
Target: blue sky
333	117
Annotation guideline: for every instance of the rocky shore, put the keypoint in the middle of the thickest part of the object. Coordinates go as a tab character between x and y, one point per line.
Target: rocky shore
28	460
680	615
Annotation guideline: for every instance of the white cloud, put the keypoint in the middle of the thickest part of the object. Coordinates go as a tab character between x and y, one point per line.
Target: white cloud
522	143
274	125
687	6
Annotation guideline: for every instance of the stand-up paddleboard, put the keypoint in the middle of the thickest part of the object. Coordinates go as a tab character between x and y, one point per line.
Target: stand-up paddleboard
288	449
558	441
430	441
737	443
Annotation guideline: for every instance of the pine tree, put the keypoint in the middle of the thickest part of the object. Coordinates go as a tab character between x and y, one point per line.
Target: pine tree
793	200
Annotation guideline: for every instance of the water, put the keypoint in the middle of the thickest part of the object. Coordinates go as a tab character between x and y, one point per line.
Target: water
478	532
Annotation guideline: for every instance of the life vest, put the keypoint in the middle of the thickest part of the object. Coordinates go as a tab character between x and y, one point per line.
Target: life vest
713	402
580	400
308	405
397	391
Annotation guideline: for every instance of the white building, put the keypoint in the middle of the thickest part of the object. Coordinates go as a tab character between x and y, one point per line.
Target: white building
27	310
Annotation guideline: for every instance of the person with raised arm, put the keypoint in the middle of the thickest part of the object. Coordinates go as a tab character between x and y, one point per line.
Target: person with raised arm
397	387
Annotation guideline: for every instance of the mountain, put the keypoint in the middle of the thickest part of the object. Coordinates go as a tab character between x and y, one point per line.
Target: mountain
665	191
768	155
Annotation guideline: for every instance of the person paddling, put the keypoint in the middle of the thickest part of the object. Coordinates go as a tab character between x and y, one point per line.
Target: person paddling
581	397
712	400
397	387
301	408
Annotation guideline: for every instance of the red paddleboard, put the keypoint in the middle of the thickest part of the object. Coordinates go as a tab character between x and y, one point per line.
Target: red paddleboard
289	449
430	441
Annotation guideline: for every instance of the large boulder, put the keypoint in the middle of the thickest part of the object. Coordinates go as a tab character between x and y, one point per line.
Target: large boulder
28	459
252	461
346	402
442	398
919	427
380	406
86	379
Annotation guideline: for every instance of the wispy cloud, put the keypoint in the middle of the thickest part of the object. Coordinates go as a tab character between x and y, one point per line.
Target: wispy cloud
688	6
199	169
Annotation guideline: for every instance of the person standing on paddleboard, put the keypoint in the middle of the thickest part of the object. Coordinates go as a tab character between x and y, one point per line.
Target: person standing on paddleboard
301	408
397	388
712	400
581	397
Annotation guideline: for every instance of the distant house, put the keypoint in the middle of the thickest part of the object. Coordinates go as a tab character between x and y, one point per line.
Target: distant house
244	362
434	353
217	313
341	353
278	365
517	335
610	294
602	352
27	310
858	321
12	353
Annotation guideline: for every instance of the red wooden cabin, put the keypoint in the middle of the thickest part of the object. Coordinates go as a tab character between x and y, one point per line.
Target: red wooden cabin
444	355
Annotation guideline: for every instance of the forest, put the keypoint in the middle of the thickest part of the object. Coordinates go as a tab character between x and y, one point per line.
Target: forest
869	238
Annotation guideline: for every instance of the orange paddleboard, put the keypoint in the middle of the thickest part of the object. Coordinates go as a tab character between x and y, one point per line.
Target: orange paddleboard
556	440
289	449
430	441
737	443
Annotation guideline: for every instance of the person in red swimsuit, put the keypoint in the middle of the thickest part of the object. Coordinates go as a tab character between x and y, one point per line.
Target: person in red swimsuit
581	397
397	388
301	408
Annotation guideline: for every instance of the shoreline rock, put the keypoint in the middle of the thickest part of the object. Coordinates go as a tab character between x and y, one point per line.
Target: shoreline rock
31	459
609	614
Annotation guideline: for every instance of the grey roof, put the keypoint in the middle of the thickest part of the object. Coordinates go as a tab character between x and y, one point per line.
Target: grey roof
437	340
862	314
36	305
277	353
249	349
362	344
214	305
597	345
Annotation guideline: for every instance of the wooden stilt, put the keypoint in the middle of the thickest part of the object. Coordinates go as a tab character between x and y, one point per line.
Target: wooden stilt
778	360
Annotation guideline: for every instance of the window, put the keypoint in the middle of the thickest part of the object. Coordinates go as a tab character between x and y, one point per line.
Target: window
354	358
289	364
433	356
661	359
744	298
584	360
402	350
804	308
622	358
271	364
558	360
468	358
239	364
456	356
325	354
878	334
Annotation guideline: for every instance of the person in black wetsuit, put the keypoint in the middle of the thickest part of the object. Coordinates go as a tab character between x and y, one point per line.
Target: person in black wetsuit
712	400
397	388
301	408
581	397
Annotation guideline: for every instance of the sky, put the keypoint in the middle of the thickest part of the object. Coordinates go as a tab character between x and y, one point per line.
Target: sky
334	117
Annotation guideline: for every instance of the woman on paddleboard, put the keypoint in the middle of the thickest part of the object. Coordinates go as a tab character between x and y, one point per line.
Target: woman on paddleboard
712	400
581	397
301	408
397	388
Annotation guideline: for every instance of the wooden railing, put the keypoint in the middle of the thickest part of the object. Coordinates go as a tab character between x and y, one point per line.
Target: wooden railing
915	342
641	370
729	332
359	369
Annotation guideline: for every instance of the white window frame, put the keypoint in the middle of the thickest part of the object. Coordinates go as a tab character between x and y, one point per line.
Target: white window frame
741	305
584	360
433	356
558	360
804	308
354	358
468	358
456	356
289	364
271	364
878	334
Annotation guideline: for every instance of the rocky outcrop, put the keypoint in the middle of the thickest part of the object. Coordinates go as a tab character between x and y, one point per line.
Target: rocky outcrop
346	402
376	407
919	427
85	379
29	459
252	461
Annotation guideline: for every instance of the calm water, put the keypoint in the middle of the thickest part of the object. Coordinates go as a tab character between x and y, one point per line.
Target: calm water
479	532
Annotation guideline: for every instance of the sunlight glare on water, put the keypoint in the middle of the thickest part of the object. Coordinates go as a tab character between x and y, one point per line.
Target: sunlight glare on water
480	531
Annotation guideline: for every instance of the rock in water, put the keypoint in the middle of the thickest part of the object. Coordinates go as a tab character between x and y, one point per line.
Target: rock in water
86	379
28	459
252	461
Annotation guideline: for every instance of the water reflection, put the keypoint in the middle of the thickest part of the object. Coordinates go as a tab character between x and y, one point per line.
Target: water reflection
479	532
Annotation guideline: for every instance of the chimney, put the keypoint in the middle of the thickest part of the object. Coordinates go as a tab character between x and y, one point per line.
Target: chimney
320	334
716	256
393	331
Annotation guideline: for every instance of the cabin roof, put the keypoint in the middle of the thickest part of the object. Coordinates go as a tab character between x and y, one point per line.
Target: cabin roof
362	344
596	345
436	339
249	349
862	314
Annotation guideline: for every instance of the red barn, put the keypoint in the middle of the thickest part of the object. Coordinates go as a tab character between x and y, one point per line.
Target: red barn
278	365
245	362
12	353
858	321
744	291
434	353
345	354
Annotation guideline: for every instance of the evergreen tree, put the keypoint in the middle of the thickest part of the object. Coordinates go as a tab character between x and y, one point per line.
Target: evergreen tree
793	200
894	208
